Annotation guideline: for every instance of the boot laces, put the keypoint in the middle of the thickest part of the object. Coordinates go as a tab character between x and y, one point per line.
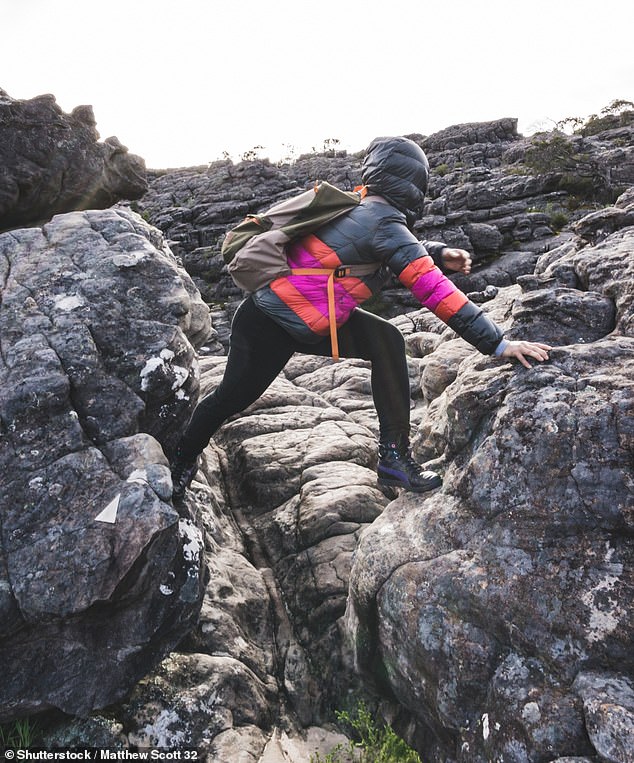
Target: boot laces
410	461
403	454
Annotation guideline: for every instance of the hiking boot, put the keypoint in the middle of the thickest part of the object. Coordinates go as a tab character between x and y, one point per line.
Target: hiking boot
397	468
183	470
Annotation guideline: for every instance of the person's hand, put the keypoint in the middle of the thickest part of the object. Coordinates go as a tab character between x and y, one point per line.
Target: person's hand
456	259
523	350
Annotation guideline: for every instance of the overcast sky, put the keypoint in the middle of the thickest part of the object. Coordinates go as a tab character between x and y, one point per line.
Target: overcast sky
182	81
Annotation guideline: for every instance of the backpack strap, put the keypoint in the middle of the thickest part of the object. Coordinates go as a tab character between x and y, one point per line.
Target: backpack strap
339	272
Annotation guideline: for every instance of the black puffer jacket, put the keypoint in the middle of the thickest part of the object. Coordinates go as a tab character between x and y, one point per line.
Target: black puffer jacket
395	172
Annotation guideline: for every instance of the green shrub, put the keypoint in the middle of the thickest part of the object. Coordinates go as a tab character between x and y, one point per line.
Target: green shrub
374	742
335	755
18	735
558	220
619	113
579	172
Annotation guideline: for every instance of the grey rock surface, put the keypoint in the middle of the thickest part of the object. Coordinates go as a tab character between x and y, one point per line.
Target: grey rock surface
97	322
254	679
52	162
471	614
521	566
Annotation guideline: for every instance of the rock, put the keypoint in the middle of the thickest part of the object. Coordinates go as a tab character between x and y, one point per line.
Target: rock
491	194
608	704
523	569
484	238
268	638
489	620
625	199
500	130
244	744
195	697
307	488
479	297
504	270
421	343
236	611
566	316
96	731
304	747
99	577
195	206
53	162
597	225
440	368
603	271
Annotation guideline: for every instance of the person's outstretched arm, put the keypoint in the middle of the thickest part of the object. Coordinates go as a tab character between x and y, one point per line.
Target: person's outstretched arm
459	261
415	268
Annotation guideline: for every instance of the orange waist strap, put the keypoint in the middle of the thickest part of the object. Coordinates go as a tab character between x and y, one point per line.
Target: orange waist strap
332	318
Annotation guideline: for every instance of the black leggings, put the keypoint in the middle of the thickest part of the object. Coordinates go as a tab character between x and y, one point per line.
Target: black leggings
260	349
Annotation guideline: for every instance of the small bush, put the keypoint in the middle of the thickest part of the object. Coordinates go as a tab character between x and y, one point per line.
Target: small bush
18	735
337	755
558	220
375	742
619	113
580	174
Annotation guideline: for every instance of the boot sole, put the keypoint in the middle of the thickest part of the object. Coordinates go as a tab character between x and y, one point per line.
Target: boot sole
433	485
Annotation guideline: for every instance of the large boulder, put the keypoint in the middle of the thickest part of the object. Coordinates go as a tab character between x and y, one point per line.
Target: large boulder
52	162
98	577
482	607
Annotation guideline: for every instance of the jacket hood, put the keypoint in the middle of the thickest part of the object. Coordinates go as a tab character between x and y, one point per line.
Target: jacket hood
397	169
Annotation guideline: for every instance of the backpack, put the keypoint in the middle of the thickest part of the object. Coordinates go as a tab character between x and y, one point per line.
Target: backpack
255	250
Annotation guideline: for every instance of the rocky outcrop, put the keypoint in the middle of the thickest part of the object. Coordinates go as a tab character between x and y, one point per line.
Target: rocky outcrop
497	610
487	621
282	497
51	162
98	576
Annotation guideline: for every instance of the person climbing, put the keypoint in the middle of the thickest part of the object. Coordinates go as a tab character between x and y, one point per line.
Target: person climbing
290	314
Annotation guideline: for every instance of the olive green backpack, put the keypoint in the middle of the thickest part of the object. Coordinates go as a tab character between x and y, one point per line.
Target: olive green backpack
255	249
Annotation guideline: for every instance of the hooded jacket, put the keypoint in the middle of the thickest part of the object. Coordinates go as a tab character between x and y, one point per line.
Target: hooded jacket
397	169
395	172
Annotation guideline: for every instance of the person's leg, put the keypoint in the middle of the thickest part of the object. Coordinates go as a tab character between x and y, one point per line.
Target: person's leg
372	338
368	337
259	350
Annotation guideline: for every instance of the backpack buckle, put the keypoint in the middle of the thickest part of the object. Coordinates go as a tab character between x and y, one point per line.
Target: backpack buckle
341	272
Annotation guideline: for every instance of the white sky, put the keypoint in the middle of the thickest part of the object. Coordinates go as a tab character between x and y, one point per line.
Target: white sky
181	81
